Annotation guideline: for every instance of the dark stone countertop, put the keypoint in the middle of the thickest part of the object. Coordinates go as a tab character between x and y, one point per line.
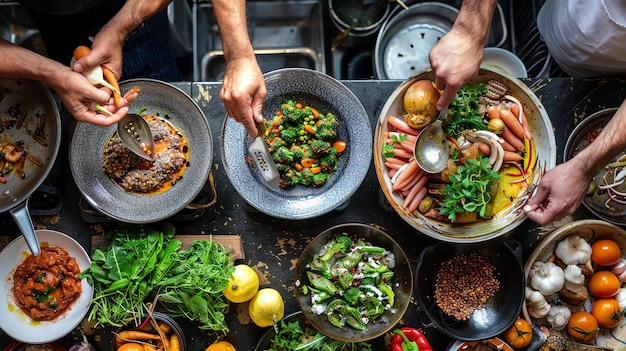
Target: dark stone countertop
273	245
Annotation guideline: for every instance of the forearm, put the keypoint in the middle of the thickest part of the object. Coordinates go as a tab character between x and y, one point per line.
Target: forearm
30	65
610	142
232	24
474	20
132	15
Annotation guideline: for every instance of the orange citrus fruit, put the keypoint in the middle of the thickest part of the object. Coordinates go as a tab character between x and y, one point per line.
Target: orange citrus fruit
221	346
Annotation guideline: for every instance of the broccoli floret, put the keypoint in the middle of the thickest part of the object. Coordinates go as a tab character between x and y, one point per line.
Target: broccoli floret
320	146
298	154
340	243
307	151
275	143
352	296
306	177
289	135
327	129
320	179
329	161
282	155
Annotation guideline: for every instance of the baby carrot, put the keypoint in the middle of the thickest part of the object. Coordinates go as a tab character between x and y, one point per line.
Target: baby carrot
512	156
137	335
174	343
112	79
81	52
512	123
508	135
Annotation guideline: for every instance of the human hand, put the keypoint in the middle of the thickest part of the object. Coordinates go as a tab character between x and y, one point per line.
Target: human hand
243	92
106	50
559	193
80	98
454	61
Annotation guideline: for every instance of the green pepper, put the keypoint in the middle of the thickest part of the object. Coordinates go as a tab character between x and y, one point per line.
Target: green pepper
322	283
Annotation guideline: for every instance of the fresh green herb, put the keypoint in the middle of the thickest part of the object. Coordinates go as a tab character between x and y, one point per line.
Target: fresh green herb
193	287
388	148
143	264
470	189
465	111
40	278
291	336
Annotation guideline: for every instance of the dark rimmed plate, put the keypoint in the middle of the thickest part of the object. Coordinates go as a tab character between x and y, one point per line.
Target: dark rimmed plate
575	143
301	202
87	149
401	282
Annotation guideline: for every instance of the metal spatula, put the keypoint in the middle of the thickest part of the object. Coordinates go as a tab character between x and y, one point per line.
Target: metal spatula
263	158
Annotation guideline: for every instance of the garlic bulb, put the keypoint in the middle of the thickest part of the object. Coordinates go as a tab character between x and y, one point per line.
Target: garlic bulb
621	298
574	278
536	303
558	316
546	277
573	250
619	267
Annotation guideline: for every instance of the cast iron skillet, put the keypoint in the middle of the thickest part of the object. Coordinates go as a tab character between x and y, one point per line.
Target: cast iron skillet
502	309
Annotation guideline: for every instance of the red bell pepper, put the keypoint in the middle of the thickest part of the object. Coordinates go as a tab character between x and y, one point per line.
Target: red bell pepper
409	339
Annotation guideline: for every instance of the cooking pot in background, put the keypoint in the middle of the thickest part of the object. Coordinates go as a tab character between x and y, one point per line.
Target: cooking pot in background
40	133
357	19
405	39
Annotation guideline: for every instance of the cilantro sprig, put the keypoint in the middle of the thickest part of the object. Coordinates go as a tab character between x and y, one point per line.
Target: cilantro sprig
465	111
469	190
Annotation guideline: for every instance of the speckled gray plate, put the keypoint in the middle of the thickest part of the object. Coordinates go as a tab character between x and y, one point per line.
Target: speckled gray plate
300	202
87	147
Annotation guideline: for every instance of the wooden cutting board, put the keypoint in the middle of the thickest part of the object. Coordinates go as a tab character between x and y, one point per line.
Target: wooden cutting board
231	242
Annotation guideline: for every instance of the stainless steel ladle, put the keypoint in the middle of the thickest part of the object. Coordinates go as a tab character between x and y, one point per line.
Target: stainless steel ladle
431	148
136	135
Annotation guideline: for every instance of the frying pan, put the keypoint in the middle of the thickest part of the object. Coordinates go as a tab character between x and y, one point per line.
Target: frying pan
501	309
35	99
402	283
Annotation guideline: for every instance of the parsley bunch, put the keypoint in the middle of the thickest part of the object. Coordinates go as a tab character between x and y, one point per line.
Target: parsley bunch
465	111
469	190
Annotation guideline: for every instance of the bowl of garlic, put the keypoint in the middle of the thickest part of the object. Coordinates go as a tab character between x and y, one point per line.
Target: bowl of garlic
575	283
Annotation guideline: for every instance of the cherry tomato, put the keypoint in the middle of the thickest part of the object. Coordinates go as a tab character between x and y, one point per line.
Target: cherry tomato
605	252
607	312
130	346
604	284
583	326
519	334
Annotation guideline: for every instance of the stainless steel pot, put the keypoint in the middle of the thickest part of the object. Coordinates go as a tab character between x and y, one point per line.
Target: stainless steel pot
42	122
357	19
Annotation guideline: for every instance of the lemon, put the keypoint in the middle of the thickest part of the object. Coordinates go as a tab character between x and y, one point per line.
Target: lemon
266	307
221	346
243	284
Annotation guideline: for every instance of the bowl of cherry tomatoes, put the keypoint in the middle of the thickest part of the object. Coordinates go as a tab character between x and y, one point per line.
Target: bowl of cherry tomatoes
575	283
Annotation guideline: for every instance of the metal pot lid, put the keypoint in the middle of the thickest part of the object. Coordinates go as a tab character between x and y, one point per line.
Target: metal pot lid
405	40
87	147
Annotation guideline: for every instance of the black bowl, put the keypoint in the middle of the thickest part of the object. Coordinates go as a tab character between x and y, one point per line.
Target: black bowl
402	284
501	309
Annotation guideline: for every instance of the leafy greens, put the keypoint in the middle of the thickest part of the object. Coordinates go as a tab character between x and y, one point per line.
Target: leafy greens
291	336
141	263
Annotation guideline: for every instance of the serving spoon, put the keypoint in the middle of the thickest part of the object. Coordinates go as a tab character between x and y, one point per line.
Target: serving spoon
431	148
136	135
